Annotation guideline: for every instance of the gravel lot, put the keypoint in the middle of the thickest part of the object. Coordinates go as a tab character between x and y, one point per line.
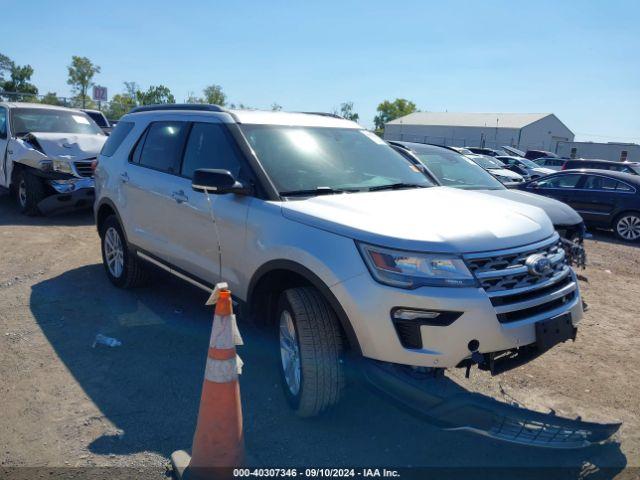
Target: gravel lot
66	404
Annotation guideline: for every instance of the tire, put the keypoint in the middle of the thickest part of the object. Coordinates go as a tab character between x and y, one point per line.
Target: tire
123	267
627	226
29	190
320	345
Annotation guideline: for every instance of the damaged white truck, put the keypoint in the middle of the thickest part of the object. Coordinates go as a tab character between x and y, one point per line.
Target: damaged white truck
46	156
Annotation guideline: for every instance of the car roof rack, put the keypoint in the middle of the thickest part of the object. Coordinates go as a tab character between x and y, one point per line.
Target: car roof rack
201	107
324	114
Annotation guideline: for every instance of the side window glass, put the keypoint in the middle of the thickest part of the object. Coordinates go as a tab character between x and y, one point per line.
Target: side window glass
3	123
163	145
210	146
561	181
595	182
137	151
623	187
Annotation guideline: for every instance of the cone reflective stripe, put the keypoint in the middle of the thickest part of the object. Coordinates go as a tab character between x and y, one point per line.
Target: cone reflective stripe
218	440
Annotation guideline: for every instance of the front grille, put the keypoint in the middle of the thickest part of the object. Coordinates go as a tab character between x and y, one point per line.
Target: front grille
83	168
514	291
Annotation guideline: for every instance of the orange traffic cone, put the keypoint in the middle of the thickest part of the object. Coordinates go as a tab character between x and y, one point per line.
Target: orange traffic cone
218	444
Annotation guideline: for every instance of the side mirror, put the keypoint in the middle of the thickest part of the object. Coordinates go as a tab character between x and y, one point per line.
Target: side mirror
217	182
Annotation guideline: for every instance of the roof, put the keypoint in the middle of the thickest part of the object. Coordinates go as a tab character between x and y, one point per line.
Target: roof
461	119
627	177
35	105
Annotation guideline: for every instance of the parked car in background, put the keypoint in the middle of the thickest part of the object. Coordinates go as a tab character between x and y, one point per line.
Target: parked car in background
552	163
496	168
532	169
310	217
605	199
100	119
46	156
452	170
625	167
534	154
491	152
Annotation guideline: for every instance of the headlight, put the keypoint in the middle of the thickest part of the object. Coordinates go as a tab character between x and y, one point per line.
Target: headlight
412	270
62	166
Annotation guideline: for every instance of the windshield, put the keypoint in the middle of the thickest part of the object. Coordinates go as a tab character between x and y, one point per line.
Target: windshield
464	151
309	158
25	120
528	163
453	170
487	162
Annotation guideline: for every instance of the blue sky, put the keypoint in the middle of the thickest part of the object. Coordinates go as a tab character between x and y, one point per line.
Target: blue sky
577	59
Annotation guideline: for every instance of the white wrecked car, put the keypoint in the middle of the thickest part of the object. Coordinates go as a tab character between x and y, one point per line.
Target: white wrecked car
46	156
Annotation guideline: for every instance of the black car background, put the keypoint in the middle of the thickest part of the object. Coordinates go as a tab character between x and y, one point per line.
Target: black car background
604	199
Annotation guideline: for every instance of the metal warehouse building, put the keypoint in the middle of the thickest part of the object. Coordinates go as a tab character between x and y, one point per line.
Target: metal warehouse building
521	130
615	151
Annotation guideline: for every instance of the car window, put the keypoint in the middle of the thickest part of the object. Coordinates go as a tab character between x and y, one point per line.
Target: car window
163	145
99	118
596	182
210	146
623	187
45	120
560	181
453	170
3	123
118	135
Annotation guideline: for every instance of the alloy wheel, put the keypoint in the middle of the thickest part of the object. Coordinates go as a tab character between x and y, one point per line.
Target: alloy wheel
114	252
628	227
290	353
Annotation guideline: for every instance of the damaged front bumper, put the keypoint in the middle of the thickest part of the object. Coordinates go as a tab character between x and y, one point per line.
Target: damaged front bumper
70	193
449	406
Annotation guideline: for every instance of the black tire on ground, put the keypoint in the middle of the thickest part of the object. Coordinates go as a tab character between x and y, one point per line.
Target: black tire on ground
133	272
321	345
626	226
29	191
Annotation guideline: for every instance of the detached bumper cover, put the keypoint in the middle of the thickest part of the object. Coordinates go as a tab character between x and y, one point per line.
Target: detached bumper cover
450	407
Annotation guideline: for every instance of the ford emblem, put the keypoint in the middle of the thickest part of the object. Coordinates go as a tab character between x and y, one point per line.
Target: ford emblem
537	264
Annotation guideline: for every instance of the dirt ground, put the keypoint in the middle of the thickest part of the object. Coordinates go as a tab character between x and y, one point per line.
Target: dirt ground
66	404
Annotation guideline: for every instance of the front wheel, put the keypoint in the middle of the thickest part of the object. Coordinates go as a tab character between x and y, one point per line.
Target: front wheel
311	347
627	227
123	268
29	192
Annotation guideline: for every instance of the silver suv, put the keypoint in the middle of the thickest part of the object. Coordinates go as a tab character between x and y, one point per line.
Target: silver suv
329	235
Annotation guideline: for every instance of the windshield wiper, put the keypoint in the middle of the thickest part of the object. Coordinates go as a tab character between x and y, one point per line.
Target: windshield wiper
396	186
317	191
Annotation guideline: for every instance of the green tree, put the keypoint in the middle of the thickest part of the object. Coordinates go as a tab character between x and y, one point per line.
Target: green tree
154	95
6	64
275	107
388	111
191	98
51	98
19	82
120	104
213	94
81	73
346	111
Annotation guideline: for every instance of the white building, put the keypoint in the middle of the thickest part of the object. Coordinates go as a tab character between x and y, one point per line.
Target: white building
521	130
618	152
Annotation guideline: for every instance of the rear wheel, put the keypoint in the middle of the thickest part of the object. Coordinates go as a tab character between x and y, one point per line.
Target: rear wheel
627	227
123	267
29	191
311	346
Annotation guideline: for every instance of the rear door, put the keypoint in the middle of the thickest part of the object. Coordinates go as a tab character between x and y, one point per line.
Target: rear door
598	198
209	231
4	141
149	185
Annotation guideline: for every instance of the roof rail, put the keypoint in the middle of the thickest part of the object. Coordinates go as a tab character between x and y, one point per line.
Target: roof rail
324	114
178	106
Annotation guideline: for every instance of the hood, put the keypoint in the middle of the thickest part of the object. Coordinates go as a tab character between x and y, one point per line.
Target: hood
70	146
437	219
559	213
503	172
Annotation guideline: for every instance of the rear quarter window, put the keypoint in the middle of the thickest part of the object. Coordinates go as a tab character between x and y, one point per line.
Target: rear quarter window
116	138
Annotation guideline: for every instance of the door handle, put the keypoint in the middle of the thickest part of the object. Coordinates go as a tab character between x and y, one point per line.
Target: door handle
124	177
179	196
